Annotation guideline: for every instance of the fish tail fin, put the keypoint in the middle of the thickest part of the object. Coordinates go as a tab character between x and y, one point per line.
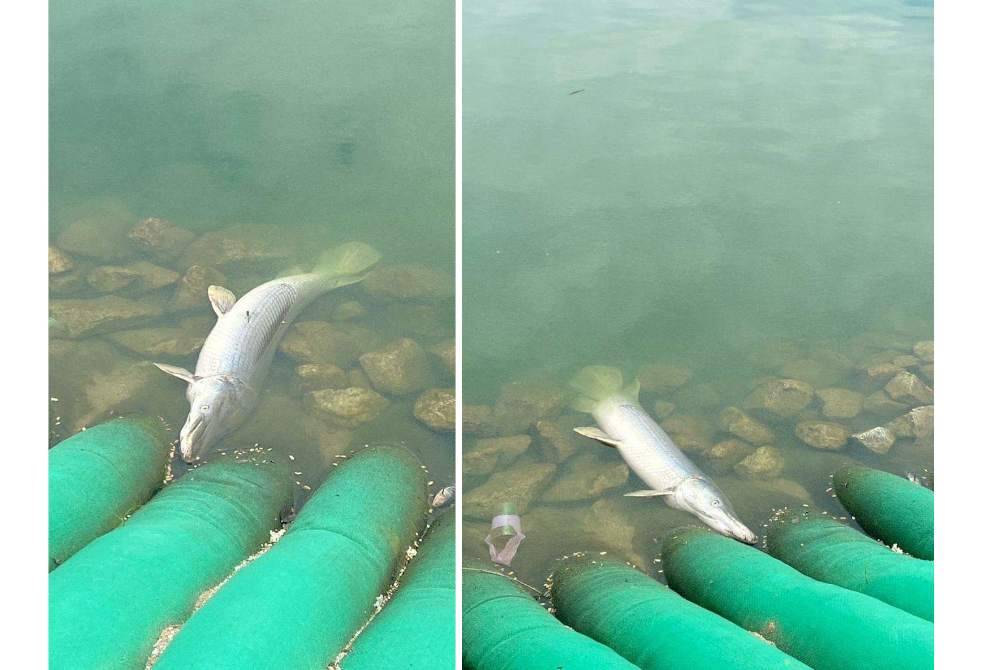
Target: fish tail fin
347	263
596	383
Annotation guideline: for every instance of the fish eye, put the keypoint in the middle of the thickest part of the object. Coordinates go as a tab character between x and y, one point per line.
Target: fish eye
716	502
205	408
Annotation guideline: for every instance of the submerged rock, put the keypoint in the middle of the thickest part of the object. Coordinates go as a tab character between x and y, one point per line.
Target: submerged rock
917	423
400	368
435	408
98	230
93	316
822	434
907	388
880	404
140	277
784	398
927	372
764	463
722	456
319	342
881	372
68	283
59	261
408	282
698	398
348	311
160	238
444	352
520	485
924	350
522	404
689	433
735	421
556	439
162	342
878	439
663	408
663	377
315	376
420	320
192	288
347	408
485	455
258	246
478	420
840	403
815	372
585	477
127	388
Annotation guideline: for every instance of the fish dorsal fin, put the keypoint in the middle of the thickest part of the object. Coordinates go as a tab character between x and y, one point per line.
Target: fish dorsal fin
632	391
595	433
650	493
178	372
222	299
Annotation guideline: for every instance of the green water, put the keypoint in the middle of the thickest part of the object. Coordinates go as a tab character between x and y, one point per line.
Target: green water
728	186
317	123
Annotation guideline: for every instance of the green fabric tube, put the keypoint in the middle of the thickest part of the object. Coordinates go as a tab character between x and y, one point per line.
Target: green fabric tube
98	477
824	626
889	508
109	602
297	605
416	630
834	553
651	625
504	628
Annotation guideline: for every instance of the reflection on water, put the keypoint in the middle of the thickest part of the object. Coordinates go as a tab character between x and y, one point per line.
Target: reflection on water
738	189
229	143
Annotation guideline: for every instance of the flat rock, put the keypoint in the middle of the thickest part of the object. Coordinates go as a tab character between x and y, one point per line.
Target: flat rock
822	434
841	403
880	404
162	342
348	310
520	485
585	477
663	377
784	398
522	404
160	238
93	316
881	372
315	376
192	288
735	421
924	350
485	455
435	408
478	420
878	440
764	463
917	423
400	368
907	388
68	284
59	261
139	277
722	456
689	433
408	282
557	441
320	342
259	246
349	407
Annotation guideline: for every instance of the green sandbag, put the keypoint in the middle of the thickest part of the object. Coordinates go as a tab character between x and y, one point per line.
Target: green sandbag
824	626
504	628
297	605
652	626
889	508
98	477
831	552
416	630
109	602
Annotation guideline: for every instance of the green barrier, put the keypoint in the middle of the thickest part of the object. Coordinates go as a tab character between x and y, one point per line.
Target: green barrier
824	626
831	552
109	602
889	508
297	605
416	630
651	625
98	477
504	628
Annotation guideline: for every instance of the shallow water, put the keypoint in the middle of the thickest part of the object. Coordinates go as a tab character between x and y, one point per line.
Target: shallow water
329	123
731	187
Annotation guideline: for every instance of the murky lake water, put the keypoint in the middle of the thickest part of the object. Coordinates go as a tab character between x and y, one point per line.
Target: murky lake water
742	190
262	136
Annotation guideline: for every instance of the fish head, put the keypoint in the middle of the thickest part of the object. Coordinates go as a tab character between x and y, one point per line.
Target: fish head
219	404
702	498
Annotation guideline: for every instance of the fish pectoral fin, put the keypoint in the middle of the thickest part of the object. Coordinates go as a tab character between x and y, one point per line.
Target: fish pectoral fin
178	372
649	493
222	299
596	433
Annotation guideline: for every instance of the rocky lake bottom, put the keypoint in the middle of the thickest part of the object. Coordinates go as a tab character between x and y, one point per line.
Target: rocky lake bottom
372	363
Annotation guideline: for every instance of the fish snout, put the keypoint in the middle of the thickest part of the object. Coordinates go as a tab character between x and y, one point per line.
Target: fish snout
192	435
